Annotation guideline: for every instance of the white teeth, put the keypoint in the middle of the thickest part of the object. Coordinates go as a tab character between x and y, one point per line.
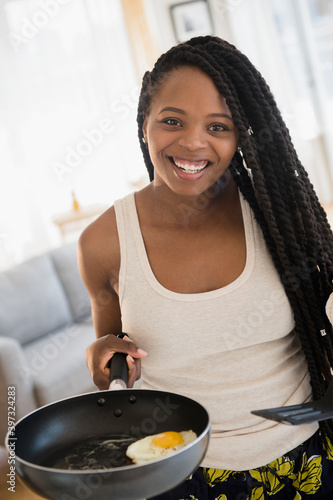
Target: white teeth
190	169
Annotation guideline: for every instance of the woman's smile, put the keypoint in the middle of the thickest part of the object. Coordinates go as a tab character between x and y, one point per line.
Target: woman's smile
191	168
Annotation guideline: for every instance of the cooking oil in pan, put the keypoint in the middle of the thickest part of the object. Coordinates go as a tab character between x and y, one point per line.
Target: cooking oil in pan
95	453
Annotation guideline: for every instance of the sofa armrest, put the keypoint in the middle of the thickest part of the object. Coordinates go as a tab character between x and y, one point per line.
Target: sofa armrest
14	372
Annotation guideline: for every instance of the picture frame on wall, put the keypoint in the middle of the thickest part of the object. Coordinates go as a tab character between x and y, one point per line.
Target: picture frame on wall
191	19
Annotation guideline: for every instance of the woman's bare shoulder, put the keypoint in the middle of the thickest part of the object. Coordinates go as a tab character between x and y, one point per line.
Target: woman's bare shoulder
98	246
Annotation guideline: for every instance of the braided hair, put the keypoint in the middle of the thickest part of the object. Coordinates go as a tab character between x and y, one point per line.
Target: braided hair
272	179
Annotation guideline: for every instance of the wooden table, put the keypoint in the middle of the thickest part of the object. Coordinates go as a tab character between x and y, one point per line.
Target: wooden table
74	221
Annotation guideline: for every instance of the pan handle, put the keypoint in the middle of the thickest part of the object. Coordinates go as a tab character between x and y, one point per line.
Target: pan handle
118	369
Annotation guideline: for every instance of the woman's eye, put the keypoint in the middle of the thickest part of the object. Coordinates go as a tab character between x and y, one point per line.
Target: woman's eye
171	121
218	128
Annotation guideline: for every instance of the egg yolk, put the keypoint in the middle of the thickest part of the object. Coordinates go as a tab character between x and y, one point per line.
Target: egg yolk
168	439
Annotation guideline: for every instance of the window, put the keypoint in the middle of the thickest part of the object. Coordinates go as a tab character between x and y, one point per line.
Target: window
305	29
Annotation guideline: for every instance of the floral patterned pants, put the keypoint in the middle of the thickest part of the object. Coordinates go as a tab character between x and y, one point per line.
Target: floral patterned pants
303	473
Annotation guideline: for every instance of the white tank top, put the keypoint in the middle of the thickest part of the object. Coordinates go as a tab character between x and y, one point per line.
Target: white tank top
232	349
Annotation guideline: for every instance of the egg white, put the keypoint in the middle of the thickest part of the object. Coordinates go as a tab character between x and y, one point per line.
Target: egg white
144	450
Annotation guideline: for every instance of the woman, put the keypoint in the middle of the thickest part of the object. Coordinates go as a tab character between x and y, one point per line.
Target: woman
220	270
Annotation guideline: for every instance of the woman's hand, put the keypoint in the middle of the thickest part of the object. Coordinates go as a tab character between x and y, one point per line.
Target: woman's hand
99	353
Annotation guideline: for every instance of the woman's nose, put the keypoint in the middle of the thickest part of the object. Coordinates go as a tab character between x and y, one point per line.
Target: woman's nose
192	139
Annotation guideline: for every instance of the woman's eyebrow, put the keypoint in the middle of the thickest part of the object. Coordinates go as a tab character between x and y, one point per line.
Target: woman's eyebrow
219	115
174	110
182	112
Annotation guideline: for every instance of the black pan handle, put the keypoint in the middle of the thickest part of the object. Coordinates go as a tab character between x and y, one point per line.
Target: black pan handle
118	369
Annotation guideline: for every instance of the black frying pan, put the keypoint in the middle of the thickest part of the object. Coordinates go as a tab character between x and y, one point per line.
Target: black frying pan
68	431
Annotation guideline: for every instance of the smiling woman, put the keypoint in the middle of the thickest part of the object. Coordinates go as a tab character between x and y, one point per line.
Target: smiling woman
222	267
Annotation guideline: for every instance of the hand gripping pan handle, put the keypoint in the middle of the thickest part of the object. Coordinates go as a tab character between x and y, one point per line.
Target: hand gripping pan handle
118	369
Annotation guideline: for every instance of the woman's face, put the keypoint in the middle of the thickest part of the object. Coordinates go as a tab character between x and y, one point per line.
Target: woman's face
189	132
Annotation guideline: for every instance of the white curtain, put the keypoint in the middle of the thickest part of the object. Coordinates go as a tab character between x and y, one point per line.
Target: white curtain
68	100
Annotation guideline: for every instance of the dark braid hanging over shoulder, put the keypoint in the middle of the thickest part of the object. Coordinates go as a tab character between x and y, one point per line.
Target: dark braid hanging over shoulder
276	185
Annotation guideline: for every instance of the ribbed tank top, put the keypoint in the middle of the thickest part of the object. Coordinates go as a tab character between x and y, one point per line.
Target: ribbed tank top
232	349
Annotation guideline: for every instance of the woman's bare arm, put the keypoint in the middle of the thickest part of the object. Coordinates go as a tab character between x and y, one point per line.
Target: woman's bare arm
99	263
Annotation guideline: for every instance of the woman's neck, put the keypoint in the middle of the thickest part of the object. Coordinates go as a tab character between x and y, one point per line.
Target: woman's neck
162	207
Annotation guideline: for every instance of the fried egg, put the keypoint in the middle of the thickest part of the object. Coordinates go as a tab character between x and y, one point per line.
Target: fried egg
159	445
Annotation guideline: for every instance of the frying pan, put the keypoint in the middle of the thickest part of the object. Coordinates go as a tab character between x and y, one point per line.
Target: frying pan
44	439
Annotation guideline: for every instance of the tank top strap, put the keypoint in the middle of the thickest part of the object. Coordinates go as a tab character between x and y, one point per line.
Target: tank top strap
125	218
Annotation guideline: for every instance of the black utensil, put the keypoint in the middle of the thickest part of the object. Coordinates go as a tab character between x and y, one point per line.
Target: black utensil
305	413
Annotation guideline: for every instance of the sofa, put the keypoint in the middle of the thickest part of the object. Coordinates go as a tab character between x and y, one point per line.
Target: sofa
45	327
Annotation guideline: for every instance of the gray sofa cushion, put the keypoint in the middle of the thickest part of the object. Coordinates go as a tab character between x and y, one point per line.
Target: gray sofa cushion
32	300
65	262
56	363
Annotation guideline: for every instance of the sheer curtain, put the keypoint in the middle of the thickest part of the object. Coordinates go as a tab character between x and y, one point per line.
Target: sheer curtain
68	98
305	30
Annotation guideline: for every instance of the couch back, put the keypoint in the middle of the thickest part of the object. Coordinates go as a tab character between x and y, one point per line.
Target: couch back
42	295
